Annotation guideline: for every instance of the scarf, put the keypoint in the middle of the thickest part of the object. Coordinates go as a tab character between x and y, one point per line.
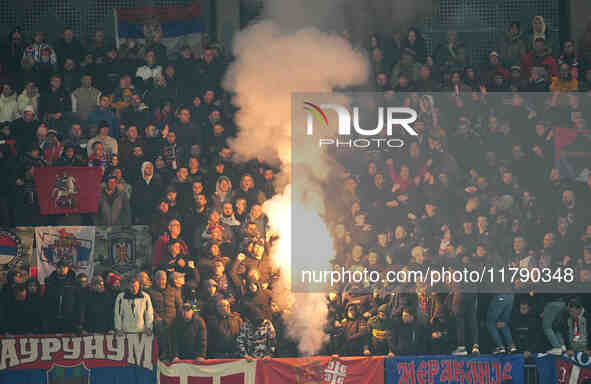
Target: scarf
577	327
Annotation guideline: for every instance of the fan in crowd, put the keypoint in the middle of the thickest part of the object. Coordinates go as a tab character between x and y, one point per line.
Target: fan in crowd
491	180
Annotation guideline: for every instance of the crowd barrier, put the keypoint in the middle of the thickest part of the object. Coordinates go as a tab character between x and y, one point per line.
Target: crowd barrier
132	359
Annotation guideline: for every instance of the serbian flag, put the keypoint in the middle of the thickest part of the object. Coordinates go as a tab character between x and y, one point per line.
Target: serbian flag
215	371
554	369
322	369
68	190
179	25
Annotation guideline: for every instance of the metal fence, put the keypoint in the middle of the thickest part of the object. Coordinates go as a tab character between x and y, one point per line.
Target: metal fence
482	23
84	16
531	374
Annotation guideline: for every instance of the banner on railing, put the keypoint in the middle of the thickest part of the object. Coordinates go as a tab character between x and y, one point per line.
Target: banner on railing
97	350
444	369
72	359
321	370
209	371
554	369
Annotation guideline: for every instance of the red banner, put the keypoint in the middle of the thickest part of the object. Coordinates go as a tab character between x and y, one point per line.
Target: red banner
96	350
68	190
321	370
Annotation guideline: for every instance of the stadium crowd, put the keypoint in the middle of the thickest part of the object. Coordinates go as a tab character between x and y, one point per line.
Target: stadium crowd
481	184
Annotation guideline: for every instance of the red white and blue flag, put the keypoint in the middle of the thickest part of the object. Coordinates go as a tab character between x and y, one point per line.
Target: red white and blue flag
179	25
73	245
11	249
554	369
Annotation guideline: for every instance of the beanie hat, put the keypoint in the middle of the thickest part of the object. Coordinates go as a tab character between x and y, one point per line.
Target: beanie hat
113	278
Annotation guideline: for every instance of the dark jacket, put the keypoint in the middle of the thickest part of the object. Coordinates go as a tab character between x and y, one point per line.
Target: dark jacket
189	338
145	197
96	311
58	101
157	296
223	331
410	339
526	331
69	50
356	336
61	300
173	304
23	317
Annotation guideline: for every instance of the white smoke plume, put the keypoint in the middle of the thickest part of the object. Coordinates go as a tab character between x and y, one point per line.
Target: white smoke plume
275	58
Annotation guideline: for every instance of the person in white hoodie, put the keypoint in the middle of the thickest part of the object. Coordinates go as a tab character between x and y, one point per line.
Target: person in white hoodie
133	310
29	97
8	104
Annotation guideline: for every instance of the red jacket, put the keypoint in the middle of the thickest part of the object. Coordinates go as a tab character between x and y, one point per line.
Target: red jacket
530	60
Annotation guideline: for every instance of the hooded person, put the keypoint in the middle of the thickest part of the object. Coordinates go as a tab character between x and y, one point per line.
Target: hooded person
223	192
147	189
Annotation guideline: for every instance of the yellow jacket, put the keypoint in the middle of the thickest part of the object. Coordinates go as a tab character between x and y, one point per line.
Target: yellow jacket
563	85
